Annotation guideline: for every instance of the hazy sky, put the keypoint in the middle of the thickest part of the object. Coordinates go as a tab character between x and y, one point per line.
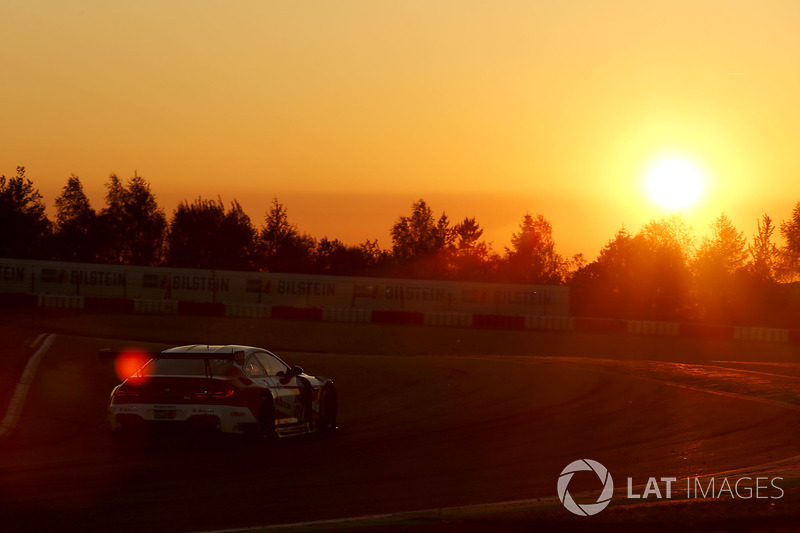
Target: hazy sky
349	111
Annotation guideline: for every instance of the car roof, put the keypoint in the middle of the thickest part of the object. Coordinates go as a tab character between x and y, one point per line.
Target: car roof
213	349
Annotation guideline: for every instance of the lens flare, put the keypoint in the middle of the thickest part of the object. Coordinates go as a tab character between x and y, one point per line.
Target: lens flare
129	361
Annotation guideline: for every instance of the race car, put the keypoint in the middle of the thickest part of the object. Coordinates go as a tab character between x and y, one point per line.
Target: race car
229	389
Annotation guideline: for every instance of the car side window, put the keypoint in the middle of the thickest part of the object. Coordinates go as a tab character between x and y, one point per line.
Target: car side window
272	363
253	369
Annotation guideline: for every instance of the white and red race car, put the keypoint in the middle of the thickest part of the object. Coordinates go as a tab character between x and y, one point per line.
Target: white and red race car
229	389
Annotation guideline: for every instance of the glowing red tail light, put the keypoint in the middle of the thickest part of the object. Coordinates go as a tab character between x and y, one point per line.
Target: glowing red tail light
127	393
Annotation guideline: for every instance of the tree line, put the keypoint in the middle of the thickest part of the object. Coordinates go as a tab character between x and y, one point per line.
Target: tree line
661	272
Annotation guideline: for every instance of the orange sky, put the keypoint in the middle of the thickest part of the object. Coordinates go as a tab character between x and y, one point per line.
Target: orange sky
349	111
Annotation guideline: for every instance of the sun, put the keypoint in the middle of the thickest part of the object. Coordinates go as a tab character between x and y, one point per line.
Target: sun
675	182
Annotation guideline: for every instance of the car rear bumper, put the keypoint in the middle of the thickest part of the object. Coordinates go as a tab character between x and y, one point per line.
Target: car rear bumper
223	418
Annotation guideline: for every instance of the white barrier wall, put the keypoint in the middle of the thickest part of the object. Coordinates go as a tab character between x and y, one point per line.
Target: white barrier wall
294	290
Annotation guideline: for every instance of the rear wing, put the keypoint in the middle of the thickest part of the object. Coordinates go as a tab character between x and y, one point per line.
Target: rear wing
110	353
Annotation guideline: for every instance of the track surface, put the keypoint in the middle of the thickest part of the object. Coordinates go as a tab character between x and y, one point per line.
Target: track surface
415	433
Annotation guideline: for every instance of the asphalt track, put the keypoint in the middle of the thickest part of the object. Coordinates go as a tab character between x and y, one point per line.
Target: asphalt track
416	432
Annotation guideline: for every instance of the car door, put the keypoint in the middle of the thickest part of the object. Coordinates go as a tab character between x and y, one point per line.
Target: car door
287	388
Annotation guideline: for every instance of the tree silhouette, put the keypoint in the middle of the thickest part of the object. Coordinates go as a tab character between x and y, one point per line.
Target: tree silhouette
606	286
573	265
642	276
725	252
375	259
419	242
76	236
468	233
203	235
24	227
470	257
790	252
763	251
656	274
112	224
419	235
282	247
672	232
718	259
532	257
133	224
238	230
333	257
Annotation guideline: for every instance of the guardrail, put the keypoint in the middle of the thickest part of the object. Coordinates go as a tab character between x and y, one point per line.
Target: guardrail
415	318
238	310
346	314
158	307
761	334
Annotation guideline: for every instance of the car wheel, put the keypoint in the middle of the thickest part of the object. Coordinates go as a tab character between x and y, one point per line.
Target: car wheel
265	433
327	417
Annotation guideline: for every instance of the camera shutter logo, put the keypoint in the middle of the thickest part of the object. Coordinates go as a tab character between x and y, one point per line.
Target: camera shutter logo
587	509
